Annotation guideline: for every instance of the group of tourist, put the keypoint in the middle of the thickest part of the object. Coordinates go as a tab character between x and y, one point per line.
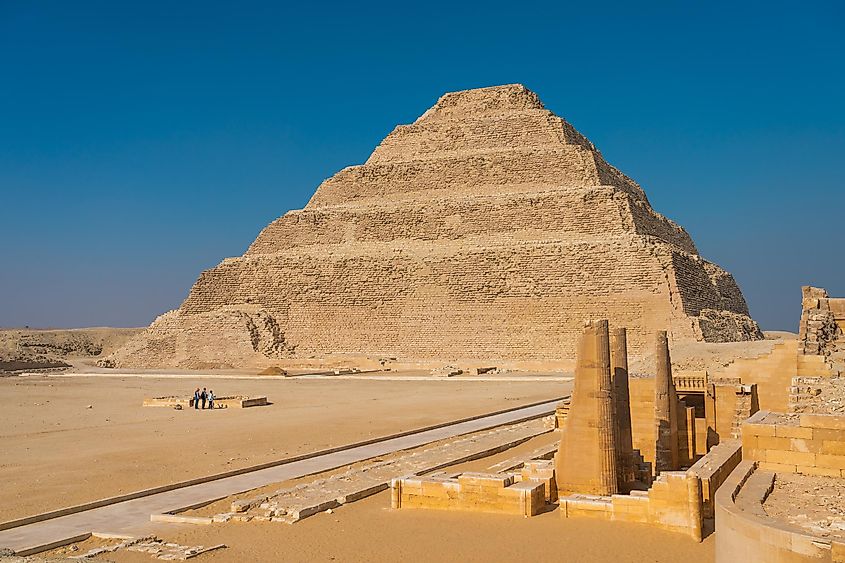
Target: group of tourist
204	397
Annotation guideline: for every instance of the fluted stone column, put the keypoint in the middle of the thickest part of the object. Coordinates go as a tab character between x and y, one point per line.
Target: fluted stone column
665	409
586	458
621	408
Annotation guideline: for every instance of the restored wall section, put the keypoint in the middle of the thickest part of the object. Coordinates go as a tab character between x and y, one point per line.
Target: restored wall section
478	492
672	503
713	470
772	372
810	444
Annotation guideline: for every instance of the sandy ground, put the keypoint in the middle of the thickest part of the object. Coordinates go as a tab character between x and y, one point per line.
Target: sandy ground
56	452
369	530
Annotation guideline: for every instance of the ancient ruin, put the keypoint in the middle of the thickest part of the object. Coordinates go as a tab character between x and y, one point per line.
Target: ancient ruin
222	402
587	461
472	243
488	228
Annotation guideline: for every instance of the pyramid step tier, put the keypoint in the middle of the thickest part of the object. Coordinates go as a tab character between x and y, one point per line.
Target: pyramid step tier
435	138
567	213
564	165
384	276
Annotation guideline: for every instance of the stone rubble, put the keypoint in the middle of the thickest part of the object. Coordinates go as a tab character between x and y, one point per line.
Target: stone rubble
159	549
812	502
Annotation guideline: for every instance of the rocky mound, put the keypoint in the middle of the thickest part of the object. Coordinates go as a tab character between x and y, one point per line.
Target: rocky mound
32	349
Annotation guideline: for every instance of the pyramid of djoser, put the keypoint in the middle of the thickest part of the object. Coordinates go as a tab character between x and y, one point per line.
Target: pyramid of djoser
488	228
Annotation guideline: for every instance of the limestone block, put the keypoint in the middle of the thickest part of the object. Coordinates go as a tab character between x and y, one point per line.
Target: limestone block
828	461
784	431
542	471
477	492
832	447
485	480
831	422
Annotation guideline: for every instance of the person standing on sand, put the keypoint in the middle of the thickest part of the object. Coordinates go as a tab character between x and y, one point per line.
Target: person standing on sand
210	399
197	398
203	397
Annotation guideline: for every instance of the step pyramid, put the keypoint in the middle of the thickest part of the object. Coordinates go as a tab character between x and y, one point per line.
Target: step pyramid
488	228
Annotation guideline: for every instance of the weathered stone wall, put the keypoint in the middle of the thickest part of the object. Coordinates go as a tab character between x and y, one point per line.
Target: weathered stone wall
559	166
489	228
822	319
574	214
382	303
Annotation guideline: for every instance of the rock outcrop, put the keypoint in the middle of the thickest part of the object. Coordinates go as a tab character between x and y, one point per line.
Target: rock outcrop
32	349
488	228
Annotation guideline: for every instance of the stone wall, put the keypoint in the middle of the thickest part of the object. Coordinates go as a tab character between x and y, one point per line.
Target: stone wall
772	372
810	444
821	335
477	492
713	470
672	503
819	330
570	214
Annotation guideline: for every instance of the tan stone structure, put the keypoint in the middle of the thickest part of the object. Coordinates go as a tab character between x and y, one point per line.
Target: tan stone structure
679	501
478	492
622	409
810	444
586	460
489	228
802	447
672	503
665	409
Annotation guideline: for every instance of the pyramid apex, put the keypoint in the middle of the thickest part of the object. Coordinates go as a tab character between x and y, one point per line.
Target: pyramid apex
479	101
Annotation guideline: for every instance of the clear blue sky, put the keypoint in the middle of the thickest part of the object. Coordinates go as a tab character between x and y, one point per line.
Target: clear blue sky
141	143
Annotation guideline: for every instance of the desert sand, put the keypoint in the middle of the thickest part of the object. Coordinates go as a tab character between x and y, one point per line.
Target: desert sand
369	530
56	452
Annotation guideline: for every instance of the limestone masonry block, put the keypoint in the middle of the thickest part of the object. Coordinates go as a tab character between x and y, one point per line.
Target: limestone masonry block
470	491
811	444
